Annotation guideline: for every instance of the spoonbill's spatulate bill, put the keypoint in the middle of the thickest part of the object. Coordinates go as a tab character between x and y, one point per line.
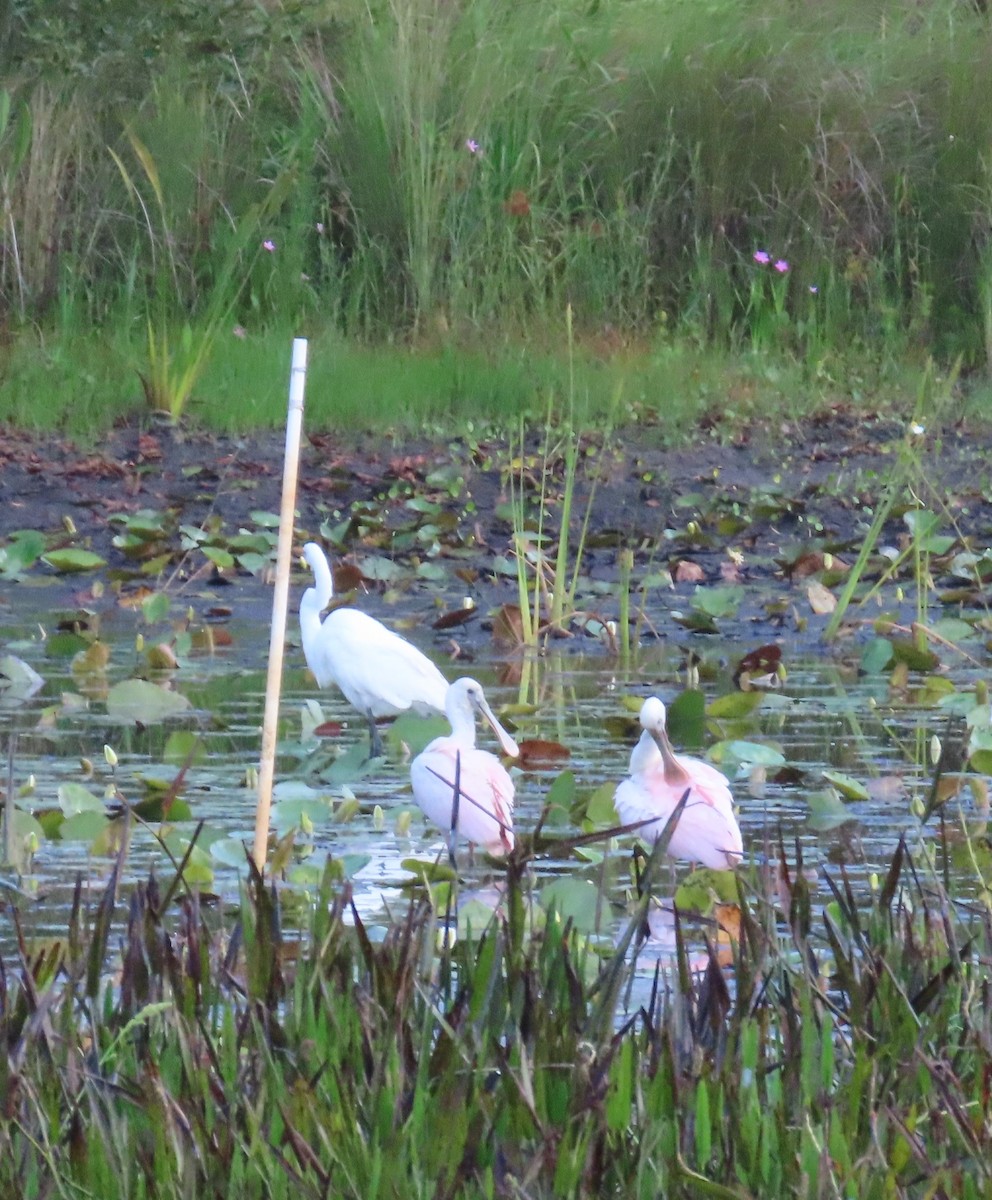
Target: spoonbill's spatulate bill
380	673
485	789
707	831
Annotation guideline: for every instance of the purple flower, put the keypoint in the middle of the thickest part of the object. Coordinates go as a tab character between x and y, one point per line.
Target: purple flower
781	266
813	289
320	226
269	245
472	146
762	257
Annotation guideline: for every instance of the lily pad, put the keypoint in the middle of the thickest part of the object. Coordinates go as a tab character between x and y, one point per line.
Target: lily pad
755	754
599	808
17	677
704	888
876	656
717	602
735	705
136	701
75	799
22	552
83	827
849	788
71	559
575	900
980	751
560	798
686	718
828	811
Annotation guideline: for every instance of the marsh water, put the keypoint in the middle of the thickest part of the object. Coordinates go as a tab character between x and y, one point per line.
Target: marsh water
824	715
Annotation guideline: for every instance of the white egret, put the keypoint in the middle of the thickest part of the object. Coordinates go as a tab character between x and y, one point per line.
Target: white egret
480	807
380	673
707	831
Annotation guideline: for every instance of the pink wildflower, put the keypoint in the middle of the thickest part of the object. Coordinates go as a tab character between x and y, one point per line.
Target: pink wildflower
781	266
762	257
472	146
269	245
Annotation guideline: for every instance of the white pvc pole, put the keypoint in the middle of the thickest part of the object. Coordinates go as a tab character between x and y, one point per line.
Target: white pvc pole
280	599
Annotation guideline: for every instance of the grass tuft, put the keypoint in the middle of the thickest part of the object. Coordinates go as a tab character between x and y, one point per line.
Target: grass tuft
193	1055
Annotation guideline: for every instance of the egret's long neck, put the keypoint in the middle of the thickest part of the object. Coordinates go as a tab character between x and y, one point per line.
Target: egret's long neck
323	589
314	600
310	610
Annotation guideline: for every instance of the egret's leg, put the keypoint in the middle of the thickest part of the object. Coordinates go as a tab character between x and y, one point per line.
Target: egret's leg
375	741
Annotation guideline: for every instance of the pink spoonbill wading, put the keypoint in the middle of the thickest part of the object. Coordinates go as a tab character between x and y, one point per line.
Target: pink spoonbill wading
485	789
707	831
380	673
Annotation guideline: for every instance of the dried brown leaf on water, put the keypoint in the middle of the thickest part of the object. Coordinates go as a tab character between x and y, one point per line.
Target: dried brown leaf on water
455	617
161	657
328	729
536	752
762	661
508	626
348	578
821	599
688	572
728	917
886	789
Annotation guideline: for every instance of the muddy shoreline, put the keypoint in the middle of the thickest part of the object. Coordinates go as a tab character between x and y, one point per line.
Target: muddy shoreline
710	513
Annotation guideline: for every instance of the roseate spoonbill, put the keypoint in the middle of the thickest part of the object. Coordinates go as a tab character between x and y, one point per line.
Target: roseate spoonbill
707	831
484	813
379	672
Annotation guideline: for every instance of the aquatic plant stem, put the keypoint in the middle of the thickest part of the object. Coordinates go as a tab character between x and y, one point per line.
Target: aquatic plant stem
8	811
280	599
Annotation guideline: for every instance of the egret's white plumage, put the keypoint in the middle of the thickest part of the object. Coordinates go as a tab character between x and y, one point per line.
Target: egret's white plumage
485	789
707	831
380	673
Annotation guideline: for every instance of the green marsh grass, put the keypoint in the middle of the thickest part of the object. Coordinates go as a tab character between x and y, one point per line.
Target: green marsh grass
839	1046
178	353
468	170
